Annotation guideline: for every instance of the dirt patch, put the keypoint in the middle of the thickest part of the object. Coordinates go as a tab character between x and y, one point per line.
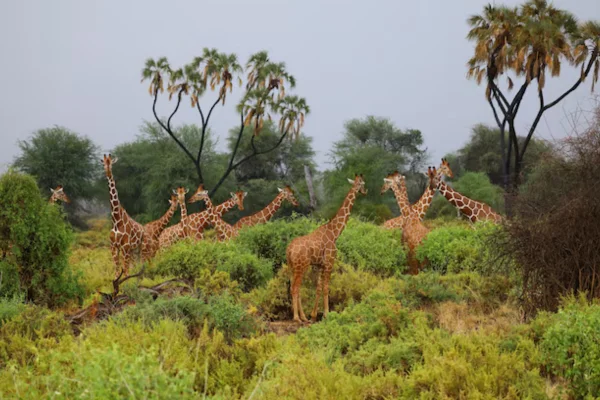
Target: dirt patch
282	328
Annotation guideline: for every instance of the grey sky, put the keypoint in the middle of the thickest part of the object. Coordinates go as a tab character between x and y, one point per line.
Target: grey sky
77	64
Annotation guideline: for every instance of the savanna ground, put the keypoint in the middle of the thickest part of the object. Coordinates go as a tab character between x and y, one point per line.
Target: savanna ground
456	330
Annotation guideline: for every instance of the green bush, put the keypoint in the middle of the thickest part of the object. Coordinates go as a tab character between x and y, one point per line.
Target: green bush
10	308
32	329
222	312
458	248
371	248
188	259
570	345
36	239
269	241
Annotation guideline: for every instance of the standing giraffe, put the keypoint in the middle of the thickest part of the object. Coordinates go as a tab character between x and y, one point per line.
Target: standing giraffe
472	209
318	248
126	233
58	194
413	230
181	230
152	230
424	202
267	213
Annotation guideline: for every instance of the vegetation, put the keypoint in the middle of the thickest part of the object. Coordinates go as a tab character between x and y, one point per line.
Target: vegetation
34	245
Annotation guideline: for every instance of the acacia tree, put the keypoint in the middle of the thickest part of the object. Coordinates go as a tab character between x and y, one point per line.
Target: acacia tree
264	98
528	43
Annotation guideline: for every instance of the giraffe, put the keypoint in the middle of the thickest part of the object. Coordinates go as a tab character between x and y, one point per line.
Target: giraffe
424	202
472	209
181	230
318	248
224	230
126	233
413	230
152	230
267	213
199	221
58	194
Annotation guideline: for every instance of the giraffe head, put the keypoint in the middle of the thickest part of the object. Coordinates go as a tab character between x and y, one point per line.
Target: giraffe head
59	194
173	198
359	183
200	194
434	177
108	162
445	169
388	181
180	192
239	197
288	194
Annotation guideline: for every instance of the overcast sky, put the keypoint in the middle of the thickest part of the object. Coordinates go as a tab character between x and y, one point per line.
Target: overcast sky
77	64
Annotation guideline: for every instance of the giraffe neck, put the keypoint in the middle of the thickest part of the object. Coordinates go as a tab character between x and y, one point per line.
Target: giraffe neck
402	198
162	222
115	205
424	202
223	228
456	199
52	199
185	222
224	206
267	213
338	222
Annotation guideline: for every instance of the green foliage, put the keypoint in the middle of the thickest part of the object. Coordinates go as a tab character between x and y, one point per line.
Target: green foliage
570	345
222	312
476	186
371	248
150	167
269	241
57	156
9	308
34	240
32	329
459	248
187	260
373	147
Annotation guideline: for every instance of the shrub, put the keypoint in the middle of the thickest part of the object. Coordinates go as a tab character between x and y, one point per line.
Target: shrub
369	247
270	240
36	239
458	248
570	346
95	266
188	259
32	329
9	308
222	312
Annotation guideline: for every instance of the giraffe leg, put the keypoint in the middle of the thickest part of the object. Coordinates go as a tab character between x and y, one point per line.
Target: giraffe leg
114	249
298	271
326	277
301	310
313	315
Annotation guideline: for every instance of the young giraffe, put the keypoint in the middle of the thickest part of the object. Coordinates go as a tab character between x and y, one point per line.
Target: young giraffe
58	194
472	209
152	230
318	248
413	230
267	213
126	234
181	230
224	230
424	202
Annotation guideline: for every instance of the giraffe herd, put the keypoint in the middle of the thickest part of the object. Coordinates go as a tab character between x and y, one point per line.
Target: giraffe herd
317	248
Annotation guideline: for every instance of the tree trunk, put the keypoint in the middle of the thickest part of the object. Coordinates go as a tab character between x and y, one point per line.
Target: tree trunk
311	189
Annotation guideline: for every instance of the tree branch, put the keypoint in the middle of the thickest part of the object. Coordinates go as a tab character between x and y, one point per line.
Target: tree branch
168	130
533	125
233	154
205	126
